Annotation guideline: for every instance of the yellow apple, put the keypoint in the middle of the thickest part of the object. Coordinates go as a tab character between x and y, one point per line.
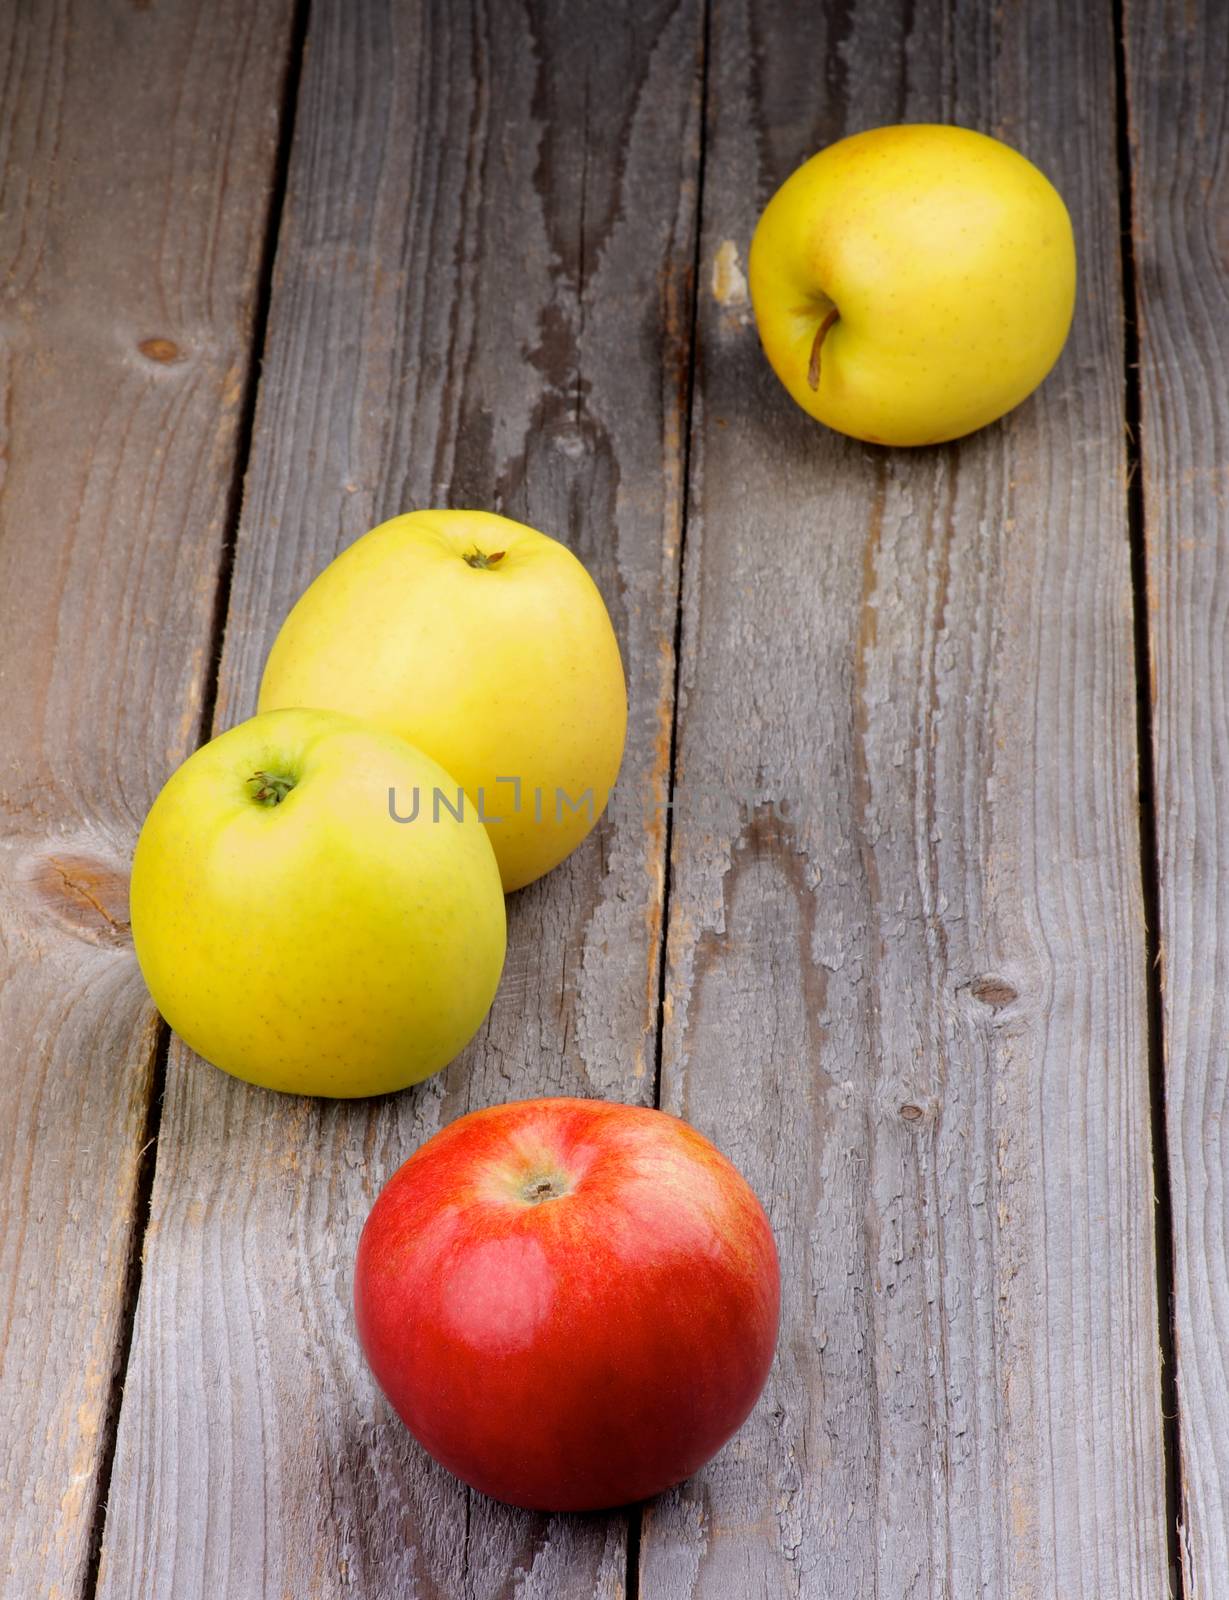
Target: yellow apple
913	283
487	645
294	933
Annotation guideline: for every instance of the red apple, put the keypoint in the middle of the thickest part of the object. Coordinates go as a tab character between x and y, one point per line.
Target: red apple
571	1304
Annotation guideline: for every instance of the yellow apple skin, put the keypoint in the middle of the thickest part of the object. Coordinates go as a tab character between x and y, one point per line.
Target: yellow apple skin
316	945
505	671
950	264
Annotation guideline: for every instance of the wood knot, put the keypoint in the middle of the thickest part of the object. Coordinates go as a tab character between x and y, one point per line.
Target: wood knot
993	992
160	350
912	1113
86	896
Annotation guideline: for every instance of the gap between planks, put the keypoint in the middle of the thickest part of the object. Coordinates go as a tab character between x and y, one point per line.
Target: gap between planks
635	1518
147	1158
1148	854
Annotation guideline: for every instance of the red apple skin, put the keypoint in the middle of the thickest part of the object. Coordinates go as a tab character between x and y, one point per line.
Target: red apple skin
583	1349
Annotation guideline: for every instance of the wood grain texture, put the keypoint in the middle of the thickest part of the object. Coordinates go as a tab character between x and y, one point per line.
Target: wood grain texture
1178	69
136	153
481	297
906	984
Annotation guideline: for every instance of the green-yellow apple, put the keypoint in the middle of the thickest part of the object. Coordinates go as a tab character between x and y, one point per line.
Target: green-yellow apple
913	283
487	645
293	932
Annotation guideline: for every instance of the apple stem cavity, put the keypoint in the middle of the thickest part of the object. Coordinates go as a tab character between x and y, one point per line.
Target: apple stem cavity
543	1186
270	788
479	558
821	333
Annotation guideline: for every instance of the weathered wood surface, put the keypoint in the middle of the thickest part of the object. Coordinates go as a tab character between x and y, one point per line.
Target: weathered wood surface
481	297
1177	71
137	153
913	1010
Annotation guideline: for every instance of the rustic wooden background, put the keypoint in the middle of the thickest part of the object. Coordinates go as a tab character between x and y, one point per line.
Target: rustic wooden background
949	983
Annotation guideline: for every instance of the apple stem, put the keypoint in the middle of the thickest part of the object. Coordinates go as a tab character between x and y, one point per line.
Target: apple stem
545	1186
821	333
479	558
271	788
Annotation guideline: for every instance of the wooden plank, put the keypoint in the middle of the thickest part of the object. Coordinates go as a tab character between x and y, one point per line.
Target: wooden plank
137	149
1177	59
913	1009
481	297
